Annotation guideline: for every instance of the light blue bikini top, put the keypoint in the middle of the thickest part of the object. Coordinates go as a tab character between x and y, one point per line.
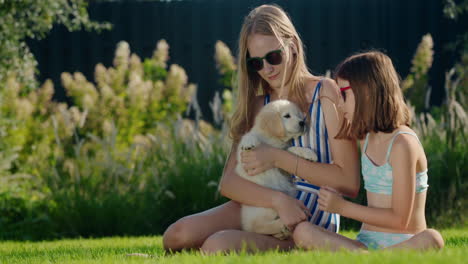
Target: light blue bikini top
379	179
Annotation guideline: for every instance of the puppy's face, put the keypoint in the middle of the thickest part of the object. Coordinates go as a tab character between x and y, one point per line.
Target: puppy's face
281	119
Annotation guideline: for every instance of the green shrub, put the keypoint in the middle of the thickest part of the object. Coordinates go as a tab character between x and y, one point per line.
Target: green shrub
113	162
139	190
445	141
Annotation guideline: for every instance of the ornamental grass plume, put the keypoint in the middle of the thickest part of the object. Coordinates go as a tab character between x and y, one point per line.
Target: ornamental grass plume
454	119
415	86
131	94
138	91
24	108
423	57
136	65
12	88
156	92
100	75
77	117
216	108
455	116
64	123
43	97
175	81
223	57
190	92
84	93
108	127
122	55
228	105
225	63
161	53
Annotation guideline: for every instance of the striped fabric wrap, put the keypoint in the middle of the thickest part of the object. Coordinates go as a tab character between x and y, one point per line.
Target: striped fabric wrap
316	138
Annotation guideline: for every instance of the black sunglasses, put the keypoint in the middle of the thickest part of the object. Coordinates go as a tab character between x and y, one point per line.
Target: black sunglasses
273	57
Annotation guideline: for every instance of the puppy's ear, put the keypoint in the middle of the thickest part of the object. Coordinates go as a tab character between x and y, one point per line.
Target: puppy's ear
272	125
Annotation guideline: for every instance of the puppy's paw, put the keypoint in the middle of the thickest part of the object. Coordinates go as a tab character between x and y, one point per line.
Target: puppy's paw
285	233
305	153
249	142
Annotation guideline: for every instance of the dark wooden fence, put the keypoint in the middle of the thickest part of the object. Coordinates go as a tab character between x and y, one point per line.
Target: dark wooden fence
331	30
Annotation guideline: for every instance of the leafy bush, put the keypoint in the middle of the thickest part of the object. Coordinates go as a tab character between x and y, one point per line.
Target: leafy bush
131	96
113	155
139	190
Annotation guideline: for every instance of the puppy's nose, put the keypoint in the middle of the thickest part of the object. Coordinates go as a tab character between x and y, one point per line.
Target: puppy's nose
301	123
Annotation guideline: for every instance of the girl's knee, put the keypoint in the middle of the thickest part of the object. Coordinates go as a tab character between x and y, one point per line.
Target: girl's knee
302	232
218	242
178	236
435	237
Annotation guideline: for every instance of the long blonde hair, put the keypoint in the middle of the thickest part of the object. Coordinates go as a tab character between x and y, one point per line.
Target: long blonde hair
268	20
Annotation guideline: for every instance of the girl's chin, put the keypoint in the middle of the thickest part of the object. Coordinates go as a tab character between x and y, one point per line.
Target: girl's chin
275	84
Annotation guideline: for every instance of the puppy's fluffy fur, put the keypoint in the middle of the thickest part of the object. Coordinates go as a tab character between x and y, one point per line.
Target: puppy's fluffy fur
276	124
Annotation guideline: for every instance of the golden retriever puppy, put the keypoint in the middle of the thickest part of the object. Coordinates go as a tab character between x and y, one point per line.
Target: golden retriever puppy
276	124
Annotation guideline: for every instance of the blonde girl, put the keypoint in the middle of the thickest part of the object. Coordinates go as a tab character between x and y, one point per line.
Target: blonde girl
272	66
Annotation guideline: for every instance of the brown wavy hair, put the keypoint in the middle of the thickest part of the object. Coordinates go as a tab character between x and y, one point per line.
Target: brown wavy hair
379	103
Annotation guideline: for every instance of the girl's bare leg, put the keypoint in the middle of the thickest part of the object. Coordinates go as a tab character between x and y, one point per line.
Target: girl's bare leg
237	240
309	236
427	239
192	231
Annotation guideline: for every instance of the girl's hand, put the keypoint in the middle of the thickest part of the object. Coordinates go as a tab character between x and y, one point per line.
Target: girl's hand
258	160
330	200
290	210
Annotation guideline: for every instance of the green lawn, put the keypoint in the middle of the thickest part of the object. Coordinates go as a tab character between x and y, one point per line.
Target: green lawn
115	250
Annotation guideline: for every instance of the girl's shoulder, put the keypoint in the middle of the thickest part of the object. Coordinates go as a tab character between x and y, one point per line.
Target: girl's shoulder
405	137
329	89
311	82
405	144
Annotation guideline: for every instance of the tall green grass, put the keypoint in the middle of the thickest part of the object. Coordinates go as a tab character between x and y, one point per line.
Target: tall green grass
115	250
143	190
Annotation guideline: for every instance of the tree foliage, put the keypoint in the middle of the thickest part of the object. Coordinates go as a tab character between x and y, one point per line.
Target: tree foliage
23	19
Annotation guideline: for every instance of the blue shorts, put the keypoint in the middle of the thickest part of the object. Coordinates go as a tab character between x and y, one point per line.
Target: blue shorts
379	240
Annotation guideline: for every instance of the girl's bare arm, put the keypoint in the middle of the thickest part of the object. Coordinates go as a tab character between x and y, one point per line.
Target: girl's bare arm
403	161
344	173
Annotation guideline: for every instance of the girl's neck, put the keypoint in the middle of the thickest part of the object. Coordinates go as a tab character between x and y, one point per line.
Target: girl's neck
280	93
379	137
383	137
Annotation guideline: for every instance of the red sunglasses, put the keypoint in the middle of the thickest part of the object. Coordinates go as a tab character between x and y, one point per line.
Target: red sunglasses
342	90
345	88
